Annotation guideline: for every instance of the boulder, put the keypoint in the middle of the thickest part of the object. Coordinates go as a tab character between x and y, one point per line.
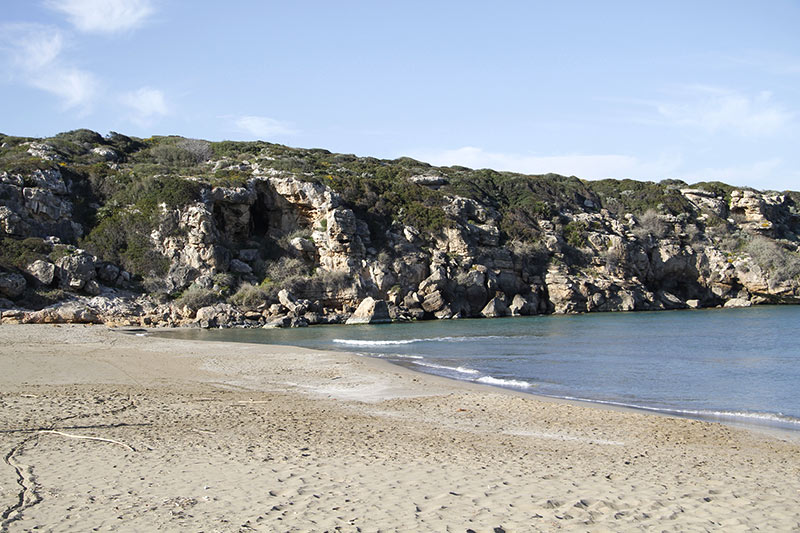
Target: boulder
76	269
106	153
738	302
92	287
295	306
280	322
218	315
670	301
42	271
370	311
12	285
434	302
495	308
521	305
429	180
304	247
298	322
412	299
108	272
240	267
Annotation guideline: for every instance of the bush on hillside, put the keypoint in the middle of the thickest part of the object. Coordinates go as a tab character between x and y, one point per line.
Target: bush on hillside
194	298
250	296
781	264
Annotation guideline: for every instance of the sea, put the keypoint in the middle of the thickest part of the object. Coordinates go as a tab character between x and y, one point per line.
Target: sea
737	366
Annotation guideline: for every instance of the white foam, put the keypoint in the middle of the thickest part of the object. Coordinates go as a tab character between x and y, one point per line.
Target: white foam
489	380
729	416
460	369
392	355
358	342
399	342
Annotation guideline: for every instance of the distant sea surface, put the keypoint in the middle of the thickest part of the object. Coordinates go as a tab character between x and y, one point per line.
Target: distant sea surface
731	365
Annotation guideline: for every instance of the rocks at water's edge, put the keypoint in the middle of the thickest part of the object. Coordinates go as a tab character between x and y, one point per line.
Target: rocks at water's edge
370	311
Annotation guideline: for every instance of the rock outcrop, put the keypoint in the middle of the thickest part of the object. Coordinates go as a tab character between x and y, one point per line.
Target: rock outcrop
323	249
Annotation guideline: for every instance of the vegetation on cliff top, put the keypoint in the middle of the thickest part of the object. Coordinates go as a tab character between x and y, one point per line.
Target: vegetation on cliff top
118	184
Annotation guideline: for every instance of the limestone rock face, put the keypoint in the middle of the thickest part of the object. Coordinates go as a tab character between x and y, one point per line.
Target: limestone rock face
565	296
758	212
565	249
38	205
193	251
370	311
340	246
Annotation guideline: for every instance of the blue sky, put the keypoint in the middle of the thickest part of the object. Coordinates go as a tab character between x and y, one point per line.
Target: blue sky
692	90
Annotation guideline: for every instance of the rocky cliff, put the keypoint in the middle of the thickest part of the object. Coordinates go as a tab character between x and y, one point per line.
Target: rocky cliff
170	231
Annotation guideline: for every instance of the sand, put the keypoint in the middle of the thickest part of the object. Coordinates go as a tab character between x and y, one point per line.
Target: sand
240	437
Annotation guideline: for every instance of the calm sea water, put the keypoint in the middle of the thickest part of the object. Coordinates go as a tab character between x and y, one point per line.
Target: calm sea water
731	365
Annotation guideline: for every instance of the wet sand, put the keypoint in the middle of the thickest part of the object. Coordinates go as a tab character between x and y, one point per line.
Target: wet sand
111	431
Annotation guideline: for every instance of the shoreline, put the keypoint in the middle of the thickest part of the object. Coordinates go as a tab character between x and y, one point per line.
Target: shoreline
752	421
262	437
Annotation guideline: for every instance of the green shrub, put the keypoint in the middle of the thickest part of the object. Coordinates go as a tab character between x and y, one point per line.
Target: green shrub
124	144
230	178
651	224
250	296
638	197
233	149
575	233
336	280
124	238
194	298
286	273
38	298
175	153
19	253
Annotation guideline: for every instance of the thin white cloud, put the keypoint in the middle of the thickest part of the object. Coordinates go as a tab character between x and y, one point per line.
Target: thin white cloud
34	56
591	166
146	105
263	127
714	110
31	46
76	88
103	16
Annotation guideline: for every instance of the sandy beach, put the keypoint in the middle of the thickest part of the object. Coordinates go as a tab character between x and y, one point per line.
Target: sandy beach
103	430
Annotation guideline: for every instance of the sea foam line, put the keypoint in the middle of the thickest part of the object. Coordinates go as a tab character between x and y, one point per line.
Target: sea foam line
700	413
489	380
459	369
398	342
